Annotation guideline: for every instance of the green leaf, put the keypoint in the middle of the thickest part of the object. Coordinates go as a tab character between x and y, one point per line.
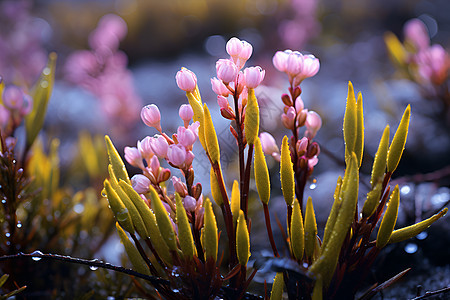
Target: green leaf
162	218
133	254
350	122
262	178
184	230
118	167
118	208
389	219
210	240
210	136
399	141
296	232
379	163
242	240
310	229
287	173
251	121
277	287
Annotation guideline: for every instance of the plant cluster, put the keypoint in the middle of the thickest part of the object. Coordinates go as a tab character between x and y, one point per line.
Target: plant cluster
175	236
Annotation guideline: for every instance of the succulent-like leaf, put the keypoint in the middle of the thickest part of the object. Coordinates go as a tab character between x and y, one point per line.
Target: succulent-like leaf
287	173
262	178
133	254
41	94
215	188
297	234
359	144
413	230
277	287
184	230
310	229
389	219
235	201
350	122
333	213
398	142
326	264
251	121
162	218
242	240
209	235
395	49
371	203
318	290
212	143
116	161
379	163
118	208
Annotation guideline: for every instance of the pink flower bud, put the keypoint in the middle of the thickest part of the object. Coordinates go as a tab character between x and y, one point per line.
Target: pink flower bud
159	146
226	70
140	183
312	162
194	128
151	116
313	124
186	80
433	64
13	97
189	158
186	113
245	54
189	203
288	118
268	144
294	63
299	105
179	186
154	165
176	155
416	33
4	116
234	47
223	102
310	68
185	137
145	148
110	30
302	145
279	60
253	76
163	175
133	157
219	88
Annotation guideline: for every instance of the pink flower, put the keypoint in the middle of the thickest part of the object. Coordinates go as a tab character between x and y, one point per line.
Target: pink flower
176	155
133	157
145	148
279	60
313	124
111	29
159	146
186	80
223	102
433	64
302	145
416	33
13	97
4	116
186	113
154	165
185	137
151	116
253	76
310	68
140	183
268	144
312	162
240	51
299	105
226	70
179	186
219	88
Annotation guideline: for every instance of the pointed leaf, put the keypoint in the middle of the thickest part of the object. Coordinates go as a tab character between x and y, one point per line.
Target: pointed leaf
379	163
333	213
262	178
235	201
389	219
215	188
133	254
212	143
310	229
297	234
277	287
210	231
359	144
287	173
251	121
372	200
350	122
242	240
399	141
116	161
118	208
163	220
184	230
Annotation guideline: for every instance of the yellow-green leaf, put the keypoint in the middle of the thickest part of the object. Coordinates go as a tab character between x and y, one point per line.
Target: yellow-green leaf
359	144
210	231
133	254
413	230
197	107
379	163
212	143
297	234
310	229
118	208
184	230
389	219
398	142
251	121
235	201
277	287
162	218
215	188
333	213
262	178
372	200
350	122
395	48
287	173
242	240
116	161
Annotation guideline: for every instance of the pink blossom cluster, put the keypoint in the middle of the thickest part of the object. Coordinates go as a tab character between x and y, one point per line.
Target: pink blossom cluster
177	151
103	71
298	67
15	104
22	55
433	62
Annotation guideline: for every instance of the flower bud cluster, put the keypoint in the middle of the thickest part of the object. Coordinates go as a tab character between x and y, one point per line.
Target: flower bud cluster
296	65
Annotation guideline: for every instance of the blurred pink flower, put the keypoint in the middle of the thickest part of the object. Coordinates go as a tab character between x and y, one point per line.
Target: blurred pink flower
417	34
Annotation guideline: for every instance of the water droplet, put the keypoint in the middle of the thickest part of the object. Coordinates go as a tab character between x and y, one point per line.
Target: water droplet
312	186
7	234
405	190
93	268
421	236
36	258
19	225
411	248
14	161
44	84
46	71
78	208
122	215
3	201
